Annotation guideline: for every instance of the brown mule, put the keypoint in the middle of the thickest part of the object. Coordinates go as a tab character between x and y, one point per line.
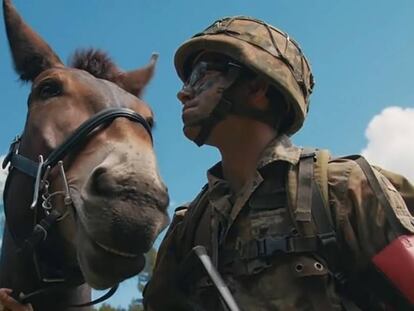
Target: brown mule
95	205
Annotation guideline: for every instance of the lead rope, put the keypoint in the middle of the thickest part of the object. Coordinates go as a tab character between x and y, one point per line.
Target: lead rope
106	296
24	299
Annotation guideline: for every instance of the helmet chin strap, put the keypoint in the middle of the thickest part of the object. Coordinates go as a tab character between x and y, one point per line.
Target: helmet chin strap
224	108
219	113
221	109
227	107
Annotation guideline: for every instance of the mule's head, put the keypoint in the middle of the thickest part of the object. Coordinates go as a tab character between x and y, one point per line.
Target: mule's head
119	200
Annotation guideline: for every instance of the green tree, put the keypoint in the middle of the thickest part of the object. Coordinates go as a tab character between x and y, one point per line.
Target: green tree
107	307
146	273
135	305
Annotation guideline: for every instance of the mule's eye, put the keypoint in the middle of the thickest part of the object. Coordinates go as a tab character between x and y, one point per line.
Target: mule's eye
151	122
49	88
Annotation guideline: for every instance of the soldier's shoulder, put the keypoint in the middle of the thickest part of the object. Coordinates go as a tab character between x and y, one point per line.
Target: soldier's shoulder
345	174
182	209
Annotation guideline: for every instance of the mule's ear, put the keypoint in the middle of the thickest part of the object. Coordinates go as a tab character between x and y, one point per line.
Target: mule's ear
135	81
31	54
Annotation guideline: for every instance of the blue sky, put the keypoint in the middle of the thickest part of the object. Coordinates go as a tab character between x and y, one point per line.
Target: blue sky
361	53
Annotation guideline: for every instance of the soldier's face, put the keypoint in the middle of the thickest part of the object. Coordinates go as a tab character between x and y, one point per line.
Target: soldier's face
203	91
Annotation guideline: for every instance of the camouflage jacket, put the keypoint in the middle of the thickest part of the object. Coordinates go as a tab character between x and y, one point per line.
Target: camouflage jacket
264	207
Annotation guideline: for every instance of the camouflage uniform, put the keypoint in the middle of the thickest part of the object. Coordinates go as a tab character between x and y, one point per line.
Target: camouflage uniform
298	275
283	281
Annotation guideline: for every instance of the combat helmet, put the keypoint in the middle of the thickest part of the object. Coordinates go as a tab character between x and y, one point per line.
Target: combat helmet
263	49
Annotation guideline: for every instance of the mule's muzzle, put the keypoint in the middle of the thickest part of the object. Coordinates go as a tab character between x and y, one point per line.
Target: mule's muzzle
123	206
106	182
112	183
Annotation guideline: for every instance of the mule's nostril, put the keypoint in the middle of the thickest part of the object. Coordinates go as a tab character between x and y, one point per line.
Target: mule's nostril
99	171
99	181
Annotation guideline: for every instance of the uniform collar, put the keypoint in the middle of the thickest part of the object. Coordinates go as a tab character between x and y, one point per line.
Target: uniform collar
279	149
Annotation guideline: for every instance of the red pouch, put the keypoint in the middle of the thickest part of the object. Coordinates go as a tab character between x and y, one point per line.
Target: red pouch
396	262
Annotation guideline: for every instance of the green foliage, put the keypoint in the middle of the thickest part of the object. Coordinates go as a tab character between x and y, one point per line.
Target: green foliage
135	305
146	273
107	307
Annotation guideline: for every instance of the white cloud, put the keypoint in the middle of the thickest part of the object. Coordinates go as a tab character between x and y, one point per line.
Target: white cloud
3	176
390	137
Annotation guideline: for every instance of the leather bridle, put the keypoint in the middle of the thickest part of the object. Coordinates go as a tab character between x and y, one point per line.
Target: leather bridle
42	198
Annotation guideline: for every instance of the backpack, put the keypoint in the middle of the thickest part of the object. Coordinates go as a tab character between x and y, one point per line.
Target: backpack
312	215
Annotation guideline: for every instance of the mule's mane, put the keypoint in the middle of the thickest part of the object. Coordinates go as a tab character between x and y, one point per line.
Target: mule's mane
96	62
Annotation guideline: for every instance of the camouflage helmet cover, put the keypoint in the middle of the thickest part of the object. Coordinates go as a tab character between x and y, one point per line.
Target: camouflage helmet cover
264	49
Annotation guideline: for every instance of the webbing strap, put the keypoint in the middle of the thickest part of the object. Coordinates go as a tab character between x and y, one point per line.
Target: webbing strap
304	197
324	227
325	231
310	203
379	193
267	247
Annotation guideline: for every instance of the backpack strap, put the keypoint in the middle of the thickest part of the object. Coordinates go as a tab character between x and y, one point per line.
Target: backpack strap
313	214
304	195
379	192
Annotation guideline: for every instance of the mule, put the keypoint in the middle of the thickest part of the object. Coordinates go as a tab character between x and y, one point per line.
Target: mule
84	199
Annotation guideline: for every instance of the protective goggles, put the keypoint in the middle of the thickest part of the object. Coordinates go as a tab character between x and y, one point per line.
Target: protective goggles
201	68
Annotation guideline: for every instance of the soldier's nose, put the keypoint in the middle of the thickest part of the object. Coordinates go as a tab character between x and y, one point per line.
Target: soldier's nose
185	94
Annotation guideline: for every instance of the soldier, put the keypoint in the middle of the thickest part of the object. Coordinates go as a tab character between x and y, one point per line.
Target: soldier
286	229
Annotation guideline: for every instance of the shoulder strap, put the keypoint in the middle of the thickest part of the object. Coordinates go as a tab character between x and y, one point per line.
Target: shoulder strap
304	192
312	194
320	173
312	201
403	186
379	192
313	165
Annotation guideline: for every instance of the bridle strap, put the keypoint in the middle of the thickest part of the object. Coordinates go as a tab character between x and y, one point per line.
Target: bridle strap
24	299
24	165
30	167
104	297
88	126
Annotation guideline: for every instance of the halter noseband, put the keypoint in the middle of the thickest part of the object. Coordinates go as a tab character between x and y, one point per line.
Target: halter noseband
39	172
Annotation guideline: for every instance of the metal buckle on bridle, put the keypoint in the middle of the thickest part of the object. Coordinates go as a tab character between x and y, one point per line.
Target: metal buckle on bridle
37	184
41	183
47	196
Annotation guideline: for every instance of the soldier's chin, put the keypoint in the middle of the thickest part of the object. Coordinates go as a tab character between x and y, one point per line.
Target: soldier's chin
191	131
